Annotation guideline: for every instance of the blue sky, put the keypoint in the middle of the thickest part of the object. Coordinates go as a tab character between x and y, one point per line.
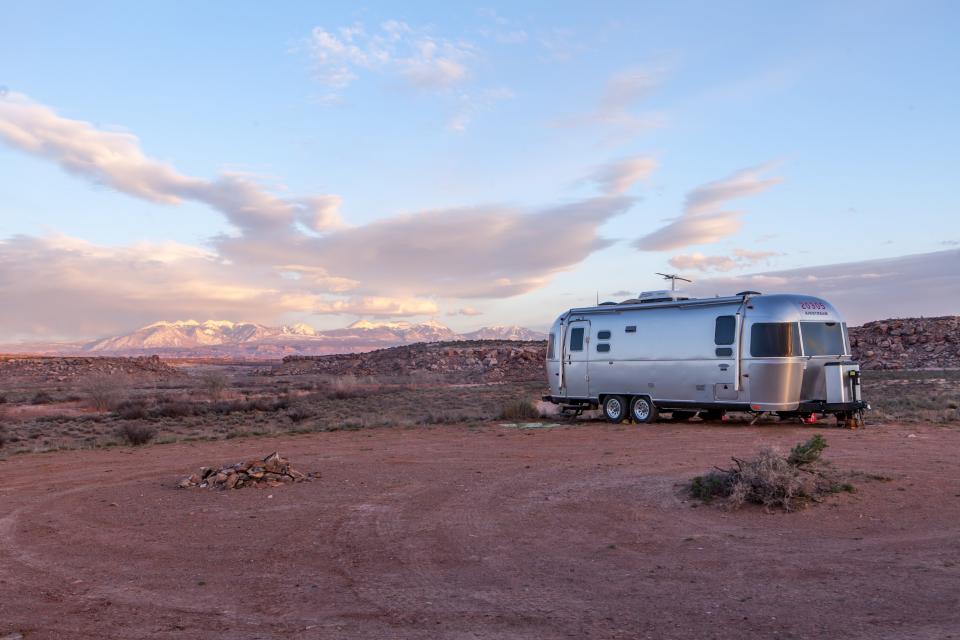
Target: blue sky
815	133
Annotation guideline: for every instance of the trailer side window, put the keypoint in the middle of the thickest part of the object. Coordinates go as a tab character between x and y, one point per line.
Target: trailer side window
576	339
552	346
603	335
725	331
631	328
774	339
603	347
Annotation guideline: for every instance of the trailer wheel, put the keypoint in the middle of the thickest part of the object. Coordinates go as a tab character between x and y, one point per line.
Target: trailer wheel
614	409
643	410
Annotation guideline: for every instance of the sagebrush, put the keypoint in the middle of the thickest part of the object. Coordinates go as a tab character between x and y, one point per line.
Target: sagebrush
771	479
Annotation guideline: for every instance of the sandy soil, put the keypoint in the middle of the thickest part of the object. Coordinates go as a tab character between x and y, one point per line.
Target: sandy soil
445	532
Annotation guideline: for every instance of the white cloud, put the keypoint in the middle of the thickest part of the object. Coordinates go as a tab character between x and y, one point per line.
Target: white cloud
422	60
616	178
701	221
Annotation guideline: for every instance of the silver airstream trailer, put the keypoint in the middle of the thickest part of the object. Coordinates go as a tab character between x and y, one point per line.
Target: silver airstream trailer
786	354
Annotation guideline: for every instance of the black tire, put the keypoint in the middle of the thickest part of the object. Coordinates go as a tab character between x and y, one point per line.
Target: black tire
614	409
680	416
643	411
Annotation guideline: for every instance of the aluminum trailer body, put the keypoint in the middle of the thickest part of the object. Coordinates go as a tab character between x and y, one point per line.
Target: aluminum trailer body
781	353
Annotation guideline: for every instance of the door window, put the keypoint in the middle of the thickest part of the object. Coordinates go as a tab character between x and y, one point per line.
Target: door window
725	330
576	339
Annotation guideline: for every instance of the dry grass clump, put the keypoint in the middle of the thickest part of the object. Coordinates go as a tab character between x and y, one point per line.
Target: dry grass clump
136	434
771	479
519	410
214	383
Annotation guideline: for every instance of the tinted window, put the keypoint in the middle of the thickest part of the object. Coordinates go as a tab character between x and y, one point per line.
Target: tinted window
725	330
551	346
632	328
724	352
774	339
576	339
603	347
822	339
603	335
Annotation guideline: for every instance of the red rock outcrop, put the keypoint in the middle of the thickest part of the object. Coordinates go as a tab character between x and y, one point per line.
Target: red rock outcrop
908	343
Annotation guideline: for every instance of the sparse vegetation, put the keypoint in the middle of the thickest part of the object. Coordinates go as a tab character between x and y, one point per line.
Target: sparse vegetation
214	382
136	434
771	479
41	397
104	391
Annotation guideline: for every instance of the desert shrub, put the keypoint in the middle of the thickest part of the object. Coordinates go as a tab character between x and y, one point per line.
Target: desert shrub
173	409
298	412
345	387
519	410
131	410
770	479
104	391
3	398
214	383
136	434
807	452
3	436
41	397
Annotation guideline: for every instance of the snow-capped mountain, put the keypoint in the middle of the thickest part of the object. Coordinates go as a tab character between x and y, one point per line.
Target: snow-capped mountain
223	338
511	332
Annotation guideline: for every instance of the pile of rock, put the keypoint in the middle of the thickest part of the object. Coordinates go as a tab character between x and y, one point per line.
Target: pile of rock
272	471
473	360
69	369
908	343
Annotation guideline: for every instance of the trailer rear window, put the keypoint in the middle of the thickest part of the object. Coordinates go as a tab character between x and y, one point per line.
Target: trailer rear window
552	347
822	339
775	339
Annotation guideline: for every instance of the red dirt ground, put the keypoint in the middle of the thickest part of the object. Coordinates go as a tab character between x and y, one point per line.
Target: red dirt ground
446	532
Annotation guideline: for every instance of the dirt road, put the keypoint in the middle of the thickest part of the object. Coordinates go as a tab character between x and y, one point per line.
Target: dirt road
446	532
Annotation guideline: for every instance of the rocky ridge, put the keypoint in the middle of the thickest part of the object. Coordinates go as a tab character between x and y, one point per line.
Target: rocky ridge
907	343
72	369
474	360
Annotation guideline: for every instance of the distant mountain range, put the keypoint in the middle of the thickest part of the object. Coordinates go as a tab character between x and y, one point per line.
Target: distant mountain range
226	339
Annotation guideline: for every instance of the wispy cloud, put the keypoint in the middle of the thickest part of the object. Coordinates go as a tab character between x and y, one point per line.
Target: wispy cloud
617	177
115	159
702	221
616	113
415	56
741	259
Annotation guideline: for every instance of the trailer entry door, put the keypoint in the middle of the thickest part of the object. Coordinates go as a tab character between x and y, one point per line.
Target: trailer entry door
576	375
725	350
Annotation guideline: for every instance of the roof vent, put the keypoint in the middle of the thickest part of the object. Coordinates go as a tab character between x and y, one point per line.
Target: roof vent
749	293
662	296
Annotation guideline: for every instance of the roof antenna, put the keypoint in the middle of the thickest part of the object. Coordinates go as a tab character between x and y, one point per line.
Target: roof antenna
672	277
598	297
